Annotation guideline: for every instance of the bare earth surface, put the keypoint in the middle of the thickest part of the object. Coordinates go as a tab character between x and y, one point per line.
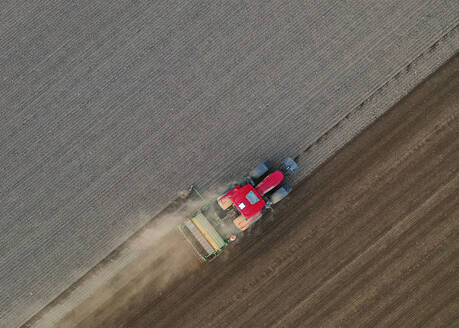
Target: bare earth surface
369	240
109	108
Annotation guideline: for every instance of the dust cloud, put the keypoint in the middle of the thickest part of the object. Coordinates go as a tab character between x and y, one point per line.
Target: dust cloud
144	268
159	256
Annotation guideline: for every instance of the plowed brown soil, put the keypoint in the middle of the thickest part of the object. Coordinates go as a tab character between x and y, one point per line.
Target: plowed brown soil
369	240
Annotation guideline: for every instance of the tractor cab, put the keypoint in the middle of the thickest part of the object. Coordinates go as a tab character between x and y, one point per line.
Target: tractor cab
247	200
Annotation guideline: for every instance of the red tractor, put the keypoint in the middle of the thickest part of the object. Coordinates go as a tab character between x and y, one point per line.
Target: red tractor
261	189
210	229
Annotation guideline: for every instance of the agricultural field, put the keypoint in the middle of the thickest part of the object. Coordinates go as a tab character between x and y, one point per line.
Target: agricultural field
368	240
109	109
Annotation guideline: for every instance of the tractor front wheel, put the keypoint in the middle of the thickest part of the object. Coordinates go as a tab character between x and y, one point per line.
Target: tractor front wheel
289	166
280	193
260	170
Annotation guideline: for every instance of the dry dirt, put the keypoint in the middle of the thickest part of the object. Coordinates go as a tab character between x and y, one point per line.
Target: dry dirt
368	240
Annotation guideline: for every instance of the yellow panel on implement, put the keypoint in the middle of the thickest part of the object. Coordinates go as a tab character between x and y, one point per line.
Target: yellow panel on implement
199	237
205	231
205	234
208	231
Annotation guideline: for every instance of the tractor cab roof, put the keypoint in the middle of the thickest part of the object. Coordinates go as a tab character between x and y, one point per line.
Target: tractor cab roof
247	200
